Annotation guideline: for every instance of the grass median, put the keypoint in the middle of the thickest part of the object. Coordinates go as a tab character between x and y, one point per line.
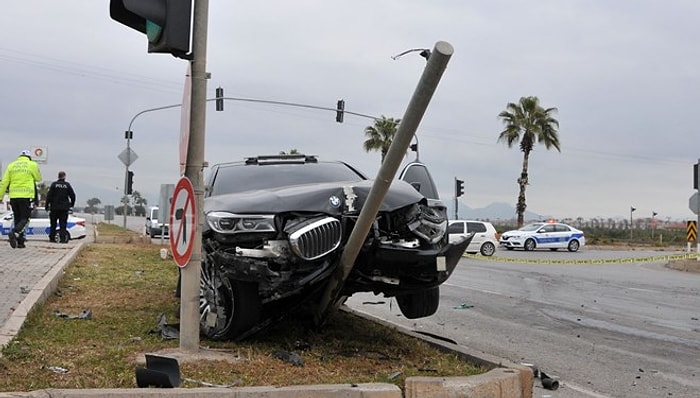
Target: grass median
104	317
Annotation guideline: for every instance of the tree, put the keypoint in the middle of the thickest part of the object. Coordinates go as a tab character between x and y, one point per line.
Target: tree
92	205
139	204
380	135
42	189
528	123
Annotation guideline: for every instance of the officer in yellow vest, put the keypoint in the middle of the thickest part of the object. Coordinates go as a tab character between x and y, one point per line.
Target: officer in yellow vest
20	177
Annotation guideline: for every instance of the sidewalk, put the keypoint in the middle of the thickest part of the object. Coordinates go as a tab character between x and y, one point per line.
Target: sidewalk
28	276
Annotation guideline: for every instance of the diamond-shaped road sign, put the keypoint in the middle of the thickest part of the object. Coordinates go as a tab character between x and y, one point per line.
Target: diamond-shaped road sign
693	203
128	157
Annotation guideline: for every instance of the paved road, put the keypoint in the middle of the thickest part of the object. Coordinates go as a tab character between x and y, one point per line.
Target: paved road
604	328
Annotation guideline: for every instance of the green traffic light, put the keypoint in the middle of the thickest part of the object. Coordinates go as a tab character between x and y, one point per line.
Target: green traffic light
153	31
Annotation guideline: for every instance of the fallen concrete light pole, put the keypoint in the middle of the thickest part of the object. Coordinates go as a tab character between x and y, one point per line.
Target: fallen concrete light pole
436	65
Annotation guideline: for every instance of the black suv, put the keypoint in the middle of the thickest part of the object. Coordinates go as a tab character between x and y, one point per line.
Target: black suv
275	228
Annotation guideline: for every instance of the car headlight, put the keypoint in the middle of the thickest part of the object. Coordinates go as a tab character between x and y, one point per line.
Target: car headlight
230	223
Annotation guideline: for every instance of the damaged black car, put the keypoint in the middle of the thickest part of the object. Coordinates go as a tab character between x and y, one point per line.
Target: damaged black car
275	228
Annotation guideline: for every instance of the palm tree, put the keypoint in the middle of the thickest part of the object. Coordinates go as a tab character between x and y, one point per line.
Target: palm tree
380	135
528	123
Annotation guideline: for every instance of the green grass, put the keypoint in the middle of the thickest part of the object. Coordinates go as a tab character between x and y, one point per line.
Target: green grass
127	287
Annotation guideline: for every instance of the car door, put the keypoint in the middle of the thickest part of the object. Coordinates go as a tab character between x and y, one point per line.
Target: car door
39	223
547	237
479	230
563	235
456	230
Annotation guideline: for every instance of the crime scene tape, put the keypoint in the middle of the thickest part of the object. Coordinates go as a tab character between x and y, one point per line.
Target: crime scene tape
649	259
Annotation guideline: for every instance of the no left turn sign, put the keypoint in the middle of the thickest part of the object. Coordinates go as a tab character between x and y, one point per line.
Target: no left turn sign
183	222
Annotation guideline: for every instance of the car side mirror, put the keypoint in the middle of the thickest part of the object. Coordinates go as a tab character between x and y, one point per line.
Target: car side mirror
416	185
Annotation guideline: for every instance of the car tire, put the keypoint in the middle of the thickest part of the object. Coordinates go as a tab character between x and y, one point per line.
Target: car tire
573	246
488	249
529	245
227	308
420	304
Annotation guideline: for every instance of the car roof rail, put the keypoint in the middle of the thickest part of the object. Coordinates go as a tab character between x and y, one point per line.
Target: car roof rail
282	159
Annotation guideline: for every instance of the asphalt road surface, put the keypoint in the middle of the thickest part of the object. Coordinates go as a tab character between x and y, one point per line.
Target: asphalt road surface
602	328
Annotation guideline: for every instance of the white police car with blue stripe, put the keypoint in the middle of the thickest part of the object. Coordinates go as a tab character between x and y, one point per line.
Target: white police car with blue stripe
541	235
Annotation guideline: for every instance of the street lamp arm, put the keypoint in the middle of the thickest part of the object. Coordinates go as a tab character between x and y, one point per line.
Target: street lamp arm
151	110
295	104
298	105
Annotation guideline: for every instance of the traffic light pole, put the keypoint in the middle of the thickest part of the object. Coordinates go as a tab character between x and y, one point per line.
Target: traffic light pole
190	274
397	150
128	135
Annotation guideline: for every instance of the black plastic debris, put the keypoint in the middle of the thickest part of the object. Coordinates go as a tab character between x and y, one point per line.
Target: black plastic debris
436	336
160	372
166	331
464	306
289	357
547	382
86	314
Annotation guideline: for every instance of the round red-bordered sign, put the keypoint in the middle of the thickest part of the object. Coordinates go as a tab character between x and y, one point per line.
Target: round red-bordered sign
183	222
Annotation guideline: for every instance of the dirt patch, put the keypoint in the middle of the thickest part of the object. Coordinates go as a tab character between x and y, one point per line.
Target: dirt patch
691	265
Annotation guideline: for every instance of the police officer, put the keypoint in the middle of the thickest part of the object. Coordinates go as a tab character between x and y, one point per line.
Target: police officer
59	201
20	178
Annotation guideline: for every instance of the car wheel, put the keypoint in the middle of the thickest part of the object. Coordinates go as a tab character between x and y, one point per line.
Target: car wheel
573	245
420	304
226	308
529	245
487	249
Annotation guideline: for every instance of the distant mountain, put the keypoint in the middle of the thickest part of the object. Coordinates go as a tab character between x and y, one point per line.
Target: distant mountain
494	211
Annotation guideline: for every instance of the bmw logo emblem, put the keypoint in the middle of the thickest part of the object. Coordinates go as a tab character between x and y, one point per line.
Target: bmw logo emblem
334	201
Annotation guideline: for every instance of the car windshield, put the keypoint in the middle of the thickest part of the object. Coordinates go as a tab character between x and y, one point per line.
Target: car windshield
531	227
236	178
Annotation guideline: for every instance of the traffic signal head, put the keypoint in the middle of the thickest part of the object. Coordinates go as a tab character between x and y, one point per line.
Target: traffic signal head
339	111
219	99
459	188
130	183
166	23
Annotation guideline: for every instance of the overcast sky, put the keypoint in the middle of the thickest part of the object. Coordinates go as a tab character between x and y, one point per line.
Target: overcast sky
624	75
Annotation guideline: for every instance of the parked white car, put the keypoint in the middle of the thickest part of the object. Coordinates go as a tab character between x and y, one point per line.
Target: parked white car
543	235
39	225
485	238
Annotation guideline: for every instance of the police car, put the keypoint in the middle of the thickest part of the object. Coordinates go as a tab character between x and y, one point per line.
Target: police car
541	235
40	225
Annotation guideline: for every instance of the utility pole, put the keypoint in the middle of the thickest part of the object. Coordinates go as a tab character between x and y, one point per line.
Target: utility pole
189	295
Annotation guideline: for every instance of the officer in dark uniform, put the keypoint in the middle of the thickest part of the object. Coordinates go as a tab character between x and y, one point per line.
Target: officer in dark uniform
59	200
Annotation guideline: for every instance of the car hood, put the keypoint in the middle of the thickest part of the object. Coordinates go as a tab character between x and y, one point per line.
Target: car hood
330	198
515	232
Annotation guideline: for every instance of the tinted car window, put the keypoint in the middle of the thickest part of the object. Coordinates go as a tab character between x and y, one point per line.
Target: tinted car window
418	175
476	227
233	178
456	228
547	228
562	228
